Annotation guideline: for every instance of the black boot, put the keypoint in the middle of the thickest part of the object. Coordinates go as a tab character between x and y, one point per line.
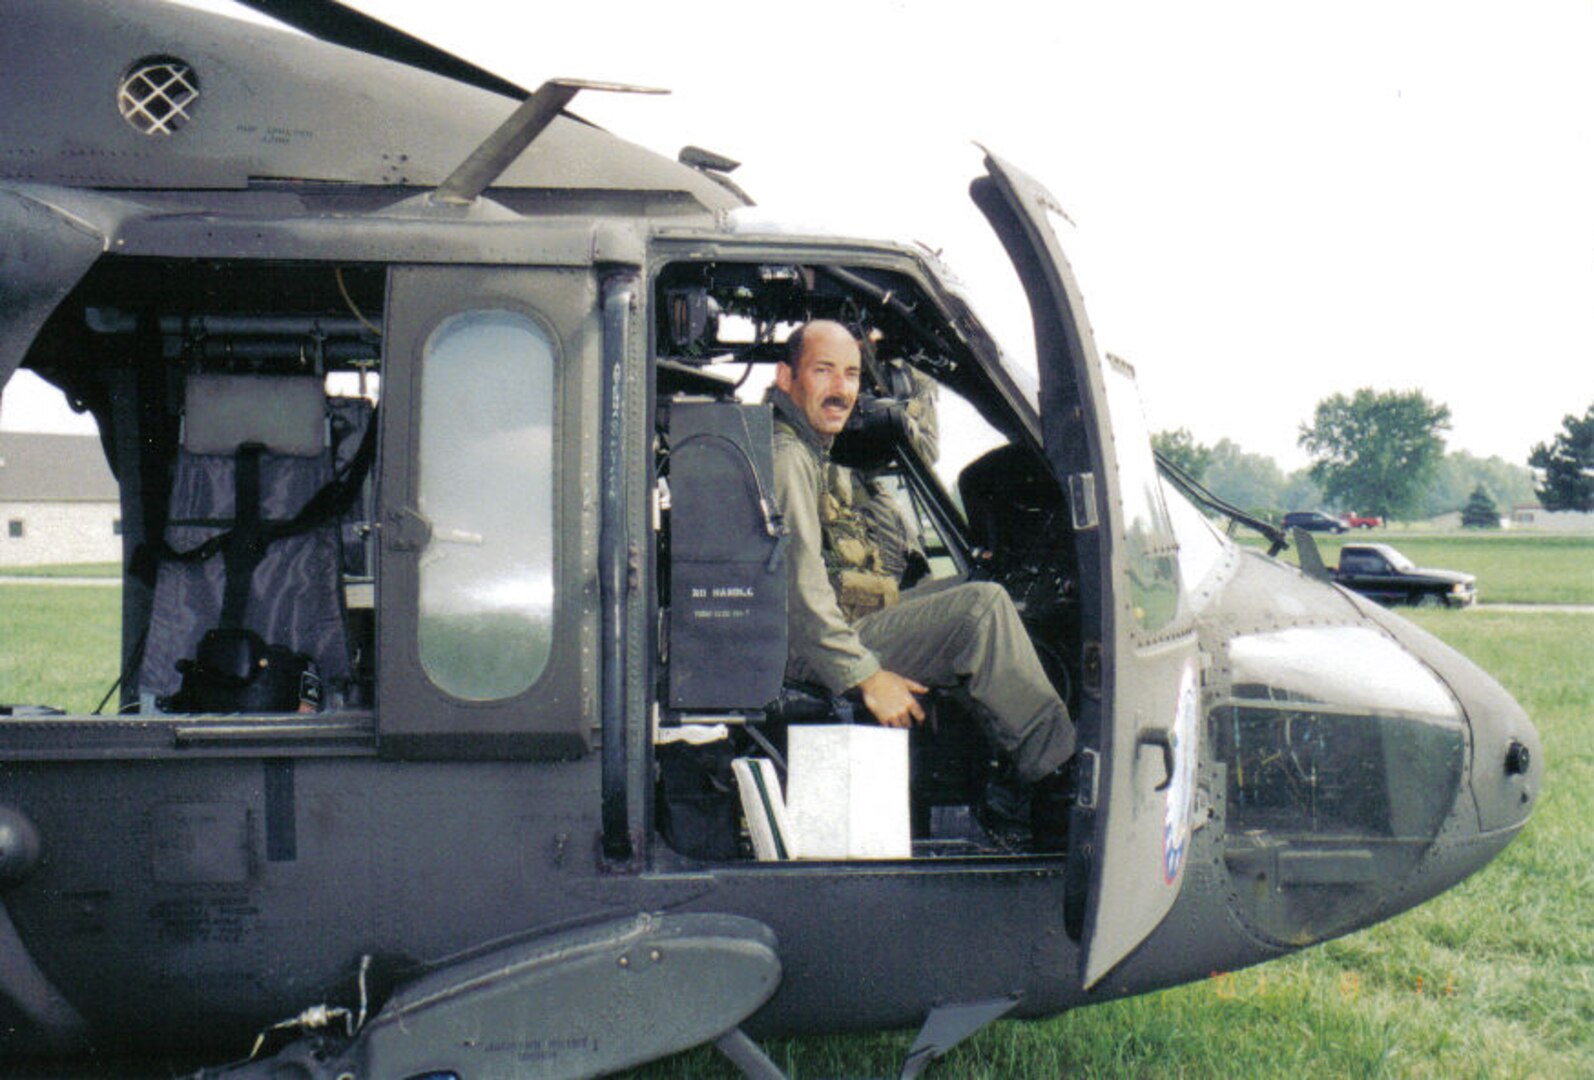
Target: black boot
1051	803
1002	812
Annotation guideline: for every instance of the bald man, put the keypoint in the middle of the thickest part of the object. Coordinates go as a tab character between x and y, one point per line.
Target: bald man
849	629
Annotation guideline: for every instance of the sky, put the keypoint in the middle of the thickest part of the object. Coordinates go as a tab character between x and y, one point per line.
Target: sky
1272	202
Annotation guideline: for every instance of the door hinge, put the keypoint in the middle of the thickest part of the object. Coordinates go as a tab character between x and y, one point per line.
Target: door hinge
1087	779
1082	500
1093	666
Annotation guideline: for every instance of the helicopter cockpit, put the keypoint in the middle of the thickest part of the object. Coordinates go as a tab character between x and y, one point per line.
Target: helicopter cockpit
936	457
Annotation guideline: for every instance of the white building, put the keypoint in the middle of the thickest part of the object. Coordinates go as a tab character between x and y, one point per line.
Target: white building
1559	521
58	501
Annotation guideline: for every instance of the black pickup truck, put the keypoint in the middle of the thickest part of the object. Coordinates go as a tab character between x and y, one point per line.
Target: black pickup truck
1381	573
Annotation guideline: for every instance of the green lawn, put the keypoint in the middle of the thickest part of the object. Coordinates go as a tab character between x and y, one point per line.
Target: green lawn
61	644
105	570
1516	568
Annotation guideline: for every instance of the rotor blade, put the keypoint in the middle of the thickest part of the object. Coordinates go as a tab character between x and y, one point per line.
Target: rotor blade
338	24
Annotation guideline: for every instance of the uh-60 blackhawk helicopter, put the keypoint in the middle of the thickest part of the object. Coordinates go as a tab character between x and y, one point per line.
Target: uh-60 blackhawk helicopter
453	738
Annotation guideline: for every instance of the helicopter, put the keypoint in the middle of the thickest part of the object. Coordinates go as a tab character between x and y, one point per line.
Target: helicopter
453	738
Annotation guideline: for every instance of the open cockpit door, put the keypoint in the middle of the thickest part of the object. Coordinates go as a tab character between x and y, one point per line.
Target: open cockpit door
1138	716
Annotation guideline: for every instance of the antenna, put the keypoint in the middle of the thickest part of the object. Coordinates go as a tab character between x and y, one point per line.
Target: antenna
488	161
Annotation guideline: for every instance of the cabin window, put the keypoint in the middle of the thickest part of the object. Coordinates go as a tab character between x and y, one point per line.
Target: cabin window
486	492
1150	548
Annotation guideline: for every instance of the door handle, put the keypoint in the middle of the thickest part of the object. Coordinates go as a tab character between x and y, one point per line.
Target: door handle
1163	738
408	530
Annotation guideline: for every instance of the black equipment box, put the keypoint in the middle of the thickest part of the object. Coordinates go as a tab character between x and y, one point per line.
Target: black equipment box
727	643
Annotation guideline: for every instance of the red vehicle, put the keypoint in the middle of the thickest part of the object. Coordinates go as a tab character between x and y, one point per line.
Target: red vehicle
1357	521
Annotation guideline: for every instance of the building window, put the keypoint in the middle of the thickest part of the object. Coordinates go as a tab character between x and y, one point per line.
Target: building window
116	527
14	528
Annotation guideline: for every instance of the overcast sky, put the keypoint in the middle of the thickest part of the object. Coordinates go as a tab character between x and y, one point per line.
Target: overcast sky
1272	201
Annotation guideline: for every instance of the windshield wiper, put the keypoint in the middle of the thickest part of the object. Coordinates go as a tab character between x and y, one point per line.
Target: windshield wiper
1277	540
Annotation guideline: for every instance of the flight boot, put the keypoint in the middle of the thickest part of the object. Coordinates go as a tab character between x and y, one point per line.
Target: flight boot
1051	804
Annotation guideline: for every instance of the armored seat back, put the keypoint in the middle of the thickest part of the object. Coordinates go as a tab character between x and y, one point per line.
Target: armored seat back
237	555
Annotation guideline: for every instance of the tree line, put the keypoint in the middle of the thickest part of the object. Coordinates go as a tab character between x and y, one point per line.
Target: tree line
1382	453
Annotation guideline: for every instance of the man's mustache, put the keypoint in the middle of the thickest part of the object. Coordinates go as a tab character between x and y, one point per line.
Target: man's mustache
838	401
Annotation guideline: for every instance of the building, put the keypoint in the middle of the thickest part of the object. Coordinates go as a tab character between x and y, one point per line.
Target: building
1536	518
58	501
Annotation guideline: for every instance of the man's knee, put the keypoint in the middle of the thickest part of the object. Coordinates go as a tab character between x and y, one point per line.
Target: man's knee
981	601
992	613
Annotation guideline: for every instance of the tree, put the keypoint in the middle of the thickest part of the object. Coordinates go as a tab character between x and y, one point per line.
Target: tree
1509	484
1375	452
1480	511
1300	492
1180	447
1567	464
1249	481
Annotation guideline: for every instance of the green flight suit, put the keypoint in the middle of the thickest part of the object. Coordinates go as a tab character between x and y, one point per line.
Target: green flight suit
968	633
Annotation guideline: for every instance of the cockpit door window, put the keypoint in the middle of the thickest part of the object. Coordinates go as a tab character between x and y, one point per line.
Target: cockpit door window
1138	722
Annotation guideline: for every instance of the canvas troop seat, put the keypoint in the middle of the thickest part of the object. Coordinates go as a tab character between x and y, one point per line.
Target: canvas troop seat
249	573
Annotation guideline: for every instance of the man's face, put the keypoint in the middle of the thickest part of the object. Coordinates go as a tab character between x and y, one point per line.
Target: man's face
825	384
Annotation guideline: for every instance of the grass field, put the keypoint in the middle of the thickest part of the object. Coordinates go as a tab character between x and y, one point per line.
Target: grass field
1511	568
107	569
1493	979
59	644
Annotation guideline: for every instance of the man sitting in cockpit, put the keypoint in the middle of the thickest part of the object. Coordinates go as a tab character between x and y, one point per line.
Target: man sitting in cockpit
891	650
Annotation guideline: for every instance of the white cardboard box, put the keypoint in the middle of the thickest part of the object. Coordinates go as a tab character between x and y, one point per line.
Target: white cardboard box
847	791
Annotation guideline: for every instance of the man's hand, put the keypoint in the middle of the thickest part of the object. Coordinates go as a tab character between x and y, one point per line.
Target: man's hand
889	697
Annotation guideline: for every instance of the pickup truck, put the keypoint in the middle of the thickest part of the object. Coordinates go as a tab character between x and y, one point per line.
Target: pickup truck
1381	573
1361	521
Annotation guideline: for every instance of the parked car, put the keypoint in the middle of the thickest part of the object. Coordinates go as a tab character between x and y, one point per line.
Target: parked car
1354	520
1312	521
1381	573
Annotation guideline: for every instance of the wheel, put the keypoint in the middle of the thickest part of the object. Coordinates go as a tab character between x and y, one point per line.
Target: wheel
1429	600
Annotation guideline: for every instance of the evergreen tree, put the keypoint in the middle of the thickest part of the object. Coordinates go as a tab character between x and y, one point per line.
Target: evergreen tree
1510	484
1567	464
1480	511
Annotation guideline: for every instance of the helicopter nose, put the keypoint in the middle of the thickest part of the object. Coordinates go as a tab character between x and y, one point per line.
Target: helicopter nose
1505	774
1507	771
